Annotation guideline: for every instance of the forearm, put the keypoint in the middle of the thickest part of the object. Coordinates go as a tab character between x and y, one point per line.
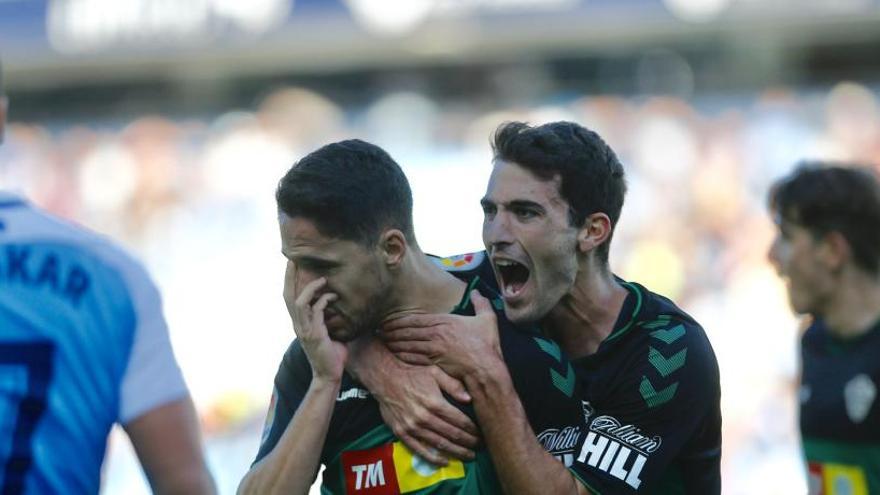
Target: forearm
185	482
511	441
169	447
292	464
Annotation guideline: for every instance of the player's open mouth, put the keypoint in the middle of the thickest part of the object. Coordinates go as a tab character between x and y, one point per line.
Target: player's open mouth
512	276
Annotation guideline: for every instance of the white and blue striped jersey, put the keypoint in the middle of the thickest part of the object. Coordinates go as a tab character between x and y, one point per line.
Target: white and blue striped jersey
83	345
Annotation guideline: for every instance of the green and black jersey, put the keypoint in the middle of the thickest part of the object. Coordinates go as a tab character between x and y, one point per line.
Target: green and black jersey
651	394
362	456
839	412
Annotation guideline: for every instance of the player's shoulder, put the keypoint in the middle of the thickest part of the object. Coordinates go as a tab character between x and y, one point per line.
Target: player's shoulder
294	358
102	267
32	224
468	265
660	321
670	349
460	262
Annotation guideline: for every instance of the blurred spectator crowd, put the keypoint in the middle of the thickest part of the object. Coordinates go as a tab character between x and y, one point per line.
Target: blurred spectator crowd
194	199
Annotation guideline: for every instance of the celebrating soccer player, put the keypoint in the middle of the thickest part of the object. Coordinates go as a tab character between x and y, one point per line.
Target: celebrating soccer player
345	217
650	378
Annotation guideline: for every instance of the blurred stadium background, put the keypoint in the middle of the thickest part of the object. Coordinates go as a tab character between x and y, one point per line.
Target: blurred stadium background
166	124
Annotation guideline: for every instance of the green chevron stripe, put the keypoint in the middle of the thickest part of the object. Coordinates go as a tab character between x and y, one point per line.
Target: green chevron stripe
549	347
661	321
498	304
669	336
666	366
565	384
652	396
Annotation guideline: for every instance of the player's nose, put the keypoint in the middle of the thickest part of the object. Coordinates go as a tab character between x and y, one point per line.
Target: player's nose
497	232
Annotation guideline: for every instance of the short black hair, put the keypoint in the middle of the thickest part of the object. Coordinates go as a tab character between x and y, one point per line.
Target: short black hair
828	197
592	178
351	190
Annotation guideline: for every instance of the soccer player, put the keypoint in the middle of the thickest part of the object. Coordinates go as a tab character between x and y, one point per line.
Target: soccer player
345	216
827	248
651	384
83	345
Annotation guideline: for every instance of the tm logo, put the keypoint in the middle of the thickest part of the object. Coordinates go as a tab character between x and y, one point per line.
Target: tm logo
368	475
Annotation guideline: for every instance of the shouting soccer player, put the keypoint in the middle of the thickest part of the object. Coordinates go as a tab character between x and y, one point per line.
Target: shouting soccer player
345	217
827	248
650	377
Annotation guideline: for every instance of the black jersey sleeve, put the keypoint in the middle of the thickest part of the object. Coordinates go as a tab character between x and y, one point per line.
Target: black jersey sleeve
291	384
656	427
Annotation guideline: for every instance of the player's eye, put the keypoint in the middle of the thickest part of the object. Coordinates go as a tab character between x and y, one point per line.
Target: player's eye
316	266
524	213
489	211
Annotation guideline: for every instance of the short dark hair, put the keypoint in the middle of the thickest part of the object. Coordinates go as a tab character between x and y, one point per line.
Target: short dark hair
828	197
592	178
351	190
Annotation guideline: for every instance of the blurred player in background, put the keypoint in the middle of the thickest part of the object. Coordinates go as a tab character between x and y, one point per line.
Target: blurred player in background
827	248
84	345
651	383
345	214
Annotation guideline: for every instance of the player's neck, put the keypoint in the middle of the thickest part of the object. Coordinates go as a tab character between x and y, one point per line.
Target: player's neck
423	287
585	316
855	306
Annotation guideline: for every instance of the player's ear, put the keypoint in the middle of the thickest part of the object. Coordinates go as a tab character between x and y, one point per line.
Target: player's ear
392	246
595	231
834	250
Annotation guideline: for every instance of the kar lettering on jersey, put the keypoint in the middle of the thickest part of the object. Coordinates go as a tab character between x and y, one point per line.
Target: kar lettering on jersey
836	479
392	468
617	449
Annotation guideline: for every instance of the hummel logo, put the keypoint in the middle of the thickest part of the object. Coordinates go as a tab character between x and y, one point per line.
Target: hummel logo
353	393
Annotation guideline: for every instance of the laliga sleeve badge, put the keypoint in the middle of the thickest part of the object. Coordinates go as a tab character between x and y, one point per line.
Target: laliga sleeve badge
461	262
